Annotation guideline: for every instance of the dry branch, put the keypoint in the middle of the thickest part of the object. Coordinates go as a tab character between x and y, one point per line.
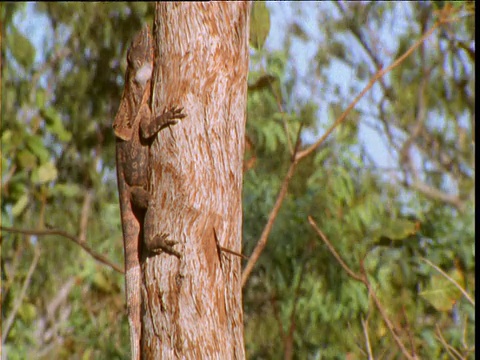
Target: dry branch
83	245
299	155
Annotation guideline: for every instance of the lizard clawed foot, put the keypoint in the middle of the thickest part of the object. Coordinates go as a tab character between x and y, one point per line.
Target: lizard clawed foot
161	243
170	117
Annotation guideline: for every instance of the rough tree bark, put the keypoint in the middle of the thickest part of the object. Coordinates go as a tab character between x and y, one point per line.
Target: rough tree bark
192	306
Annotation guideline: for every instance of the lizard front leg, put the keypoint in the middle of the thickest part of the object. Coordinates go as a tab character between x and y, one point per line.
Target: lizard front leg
131	238
150	127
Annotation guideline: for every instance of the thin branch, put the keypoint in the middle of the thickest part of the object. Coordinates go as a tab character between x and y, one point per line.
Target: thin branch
8	176
280	197
367	340
221	249
387	320
288	352
457	285
354	29
268	227
47	326
454	354
224	249
375	78
330	247
363	278
285	124
18	302
435	194
60	297
84	246
408	330
87	202
299	155
273	214
276	314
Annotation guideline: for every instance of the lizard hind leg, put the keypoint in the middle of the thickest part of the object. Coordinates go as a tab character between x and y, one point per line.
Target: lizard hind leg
140	197
161	243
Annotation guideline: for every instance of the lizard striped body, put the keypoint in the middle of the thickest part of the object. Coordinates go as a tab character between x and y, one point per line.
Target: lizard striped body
135	130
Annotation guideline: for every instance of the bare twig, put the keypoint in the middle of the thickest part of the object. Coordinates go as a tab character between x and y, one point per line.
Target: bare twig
276	314
268	227
288	354
84	246
60	297
8	176
299	155
46	327
454	354
221	249
87	202
18	302
457	285
408	330
287	338
367	339
284	121
386	319
375	78
363	279
224	249
330	247
435	194
273	214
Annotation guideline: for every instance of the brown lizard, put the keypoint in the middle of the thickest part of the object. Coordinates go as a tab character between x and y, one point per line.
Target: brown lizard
135	130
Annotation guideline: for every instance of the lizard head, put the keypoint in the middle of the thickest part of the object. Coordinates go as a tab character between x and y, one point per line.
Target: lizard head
140	56
139	72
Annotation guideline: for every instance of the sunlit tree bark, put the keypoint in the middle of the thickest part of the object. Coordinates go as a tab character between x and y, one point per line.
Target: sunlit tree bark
192	306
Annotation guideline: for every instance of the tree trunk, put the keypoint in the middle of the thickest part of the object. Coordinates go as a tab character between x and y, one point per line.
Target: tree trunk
192	306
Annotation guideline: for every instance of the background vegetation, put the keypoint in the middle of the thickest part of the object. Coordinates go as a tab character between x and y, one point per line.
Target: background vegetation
391	189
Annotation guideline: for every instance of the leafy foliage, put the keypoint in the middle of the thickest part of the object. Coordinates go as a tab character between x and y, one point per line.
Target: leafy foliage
377	218
394	185
58	172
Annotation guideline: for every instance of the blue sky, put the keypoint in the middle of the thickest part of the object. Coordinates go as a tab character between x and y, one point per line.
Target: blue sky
339	73
36	28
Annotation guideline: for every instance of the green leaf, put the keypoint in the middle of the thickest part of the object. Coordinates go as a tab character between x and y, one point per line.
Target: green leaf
88	354
55	124
262	82
45	173
102	283
398	229
27	312
259	24
20	205
322	155
441	293
26	159
40	98
67	190
6	136
35	144
4	166
22	49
